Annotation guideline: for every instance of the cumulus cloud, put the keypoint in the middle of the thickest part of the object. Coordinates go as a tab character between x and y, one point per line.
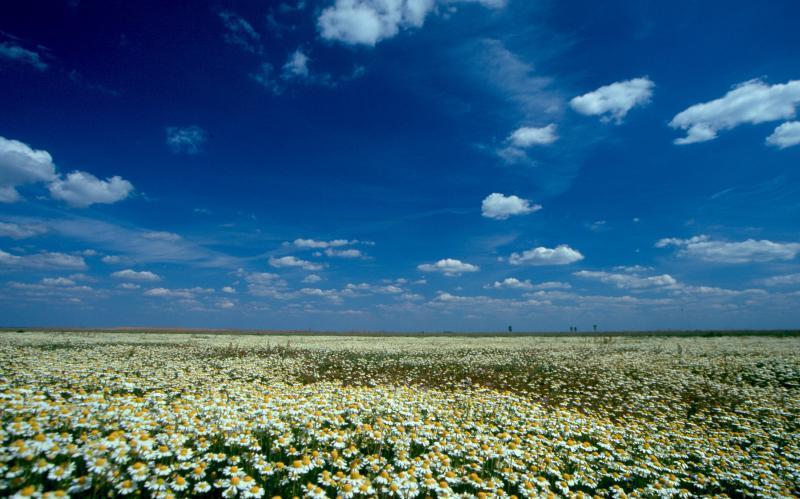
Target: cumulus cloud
312	278
186	140
500	206
12	52
510	283
449	267
527	136
19	165
628	281
21	231
560	255
750	102
82	189
785	135
132	275
366	22
344	253
751	250
43	260
612	102
311	243
292	261
229	290
111	259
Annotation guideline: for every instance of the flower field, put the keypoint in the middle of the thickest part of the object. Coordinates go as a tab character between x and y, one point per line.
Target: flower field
161	415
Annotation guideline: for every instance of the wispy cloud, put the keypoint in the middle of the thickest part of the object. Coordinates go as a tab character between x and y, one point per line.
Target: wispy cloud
13	52
186	139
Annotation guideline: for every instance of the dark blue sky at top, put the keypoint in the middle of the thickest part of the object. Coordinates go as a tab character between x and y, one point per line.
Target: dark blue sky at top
396	145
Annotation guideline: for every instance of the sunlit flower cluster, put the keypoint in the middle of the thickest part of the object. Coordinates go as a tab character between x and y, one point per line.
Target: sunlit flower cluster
260	416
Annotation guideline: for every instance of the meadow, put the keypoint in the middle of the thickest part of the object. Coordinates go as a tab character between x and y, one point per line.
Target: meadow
169	415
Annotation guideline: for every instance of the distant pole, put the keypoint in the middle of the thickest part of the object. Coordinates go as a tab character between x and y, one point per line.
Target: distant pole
509	329
595	328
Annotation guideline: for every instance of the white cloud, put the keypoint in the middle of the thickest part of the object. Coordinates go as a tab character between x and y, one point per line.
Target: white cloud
161	236
510	283
674	241
560	255
130	274
449	267
751	102
185	293
262	278
314	244
229	290
43	260
527	136
131	245
265	77
168	293
344	253
782	280
330	294
628	281
225	304
240	32
312	278
553	285
82	189
751	250
390	289
57	281
632	269
615	100
186	140
51	291
292	261
82	277
129	285
598	226
500	207
265	284
16	53
366	22
785	135
296	66
111	259
20	164
21	231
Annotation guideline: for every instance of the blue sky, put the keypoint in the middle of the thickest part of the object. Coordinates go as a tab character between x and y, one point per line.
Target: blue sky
400	164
